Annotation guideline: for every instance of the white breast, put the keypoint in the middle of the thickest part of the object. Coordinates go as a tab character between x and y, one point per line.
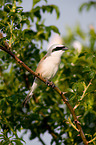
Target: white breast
50	67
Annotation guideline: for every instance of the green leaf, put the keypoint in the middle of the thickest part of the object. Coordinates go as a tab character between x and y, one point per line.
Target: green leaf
1	54
87	5
50	8
18	142
82	54
55	29
2	14
7	8
57	10
2	25
35	2
82	6
28	33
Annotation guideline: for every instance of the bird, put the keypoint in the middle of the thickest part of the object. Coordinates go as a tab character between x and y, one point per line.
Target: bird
47	67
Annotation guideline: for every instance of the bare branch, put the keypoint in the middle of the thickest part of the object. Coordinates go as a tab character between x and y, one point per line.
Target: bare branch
92	140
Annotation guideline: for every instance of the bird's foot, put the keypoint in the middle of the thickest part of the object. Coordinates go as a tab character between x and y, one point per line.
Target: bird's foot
50	83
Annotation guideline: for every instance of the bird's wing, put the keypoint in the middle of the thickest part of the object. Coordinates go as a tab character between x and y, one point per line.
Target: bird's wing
40	65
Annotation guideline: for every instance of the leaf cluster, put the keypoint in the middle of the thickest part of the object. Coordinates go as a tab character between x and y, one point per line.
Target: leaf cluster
88	5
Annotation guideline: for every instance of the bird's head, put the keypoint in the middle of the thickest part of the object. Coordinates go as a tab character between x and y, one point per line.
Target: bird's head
57	50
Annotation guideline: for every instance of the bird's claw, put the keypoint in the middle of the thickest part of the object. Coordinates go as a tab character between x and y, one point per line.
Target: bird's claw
50	84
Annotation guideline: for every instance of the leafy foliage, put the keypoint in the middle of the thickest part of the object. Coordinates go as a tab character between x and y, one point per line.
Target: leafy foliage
77	75
88	5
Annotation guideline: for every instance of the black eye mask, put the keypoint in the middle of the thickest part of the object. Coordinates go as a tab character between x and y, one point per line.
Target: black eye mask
60	48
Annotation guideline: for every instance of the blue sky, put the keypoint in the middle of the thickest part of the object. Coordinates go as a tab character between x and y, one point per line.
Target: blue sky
69	16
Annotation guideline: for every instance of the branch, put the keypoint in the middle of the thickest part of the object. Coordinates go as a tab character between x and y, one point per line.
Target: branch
69	122
55	88
83	95
41	140
92	140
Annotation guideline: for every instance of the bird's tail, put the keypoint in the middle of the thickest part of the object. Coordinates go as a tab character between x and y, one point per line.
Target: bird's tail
30	94
28	97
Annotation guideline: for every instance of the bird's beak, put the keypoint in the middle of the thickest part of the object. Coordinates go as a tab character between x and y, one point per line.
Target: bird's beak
65	48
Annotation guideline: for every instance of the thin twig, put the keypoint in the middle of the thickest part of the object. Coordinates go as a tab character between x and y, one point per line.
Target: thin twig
86	88
70	122
41	140
92	140
83	95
